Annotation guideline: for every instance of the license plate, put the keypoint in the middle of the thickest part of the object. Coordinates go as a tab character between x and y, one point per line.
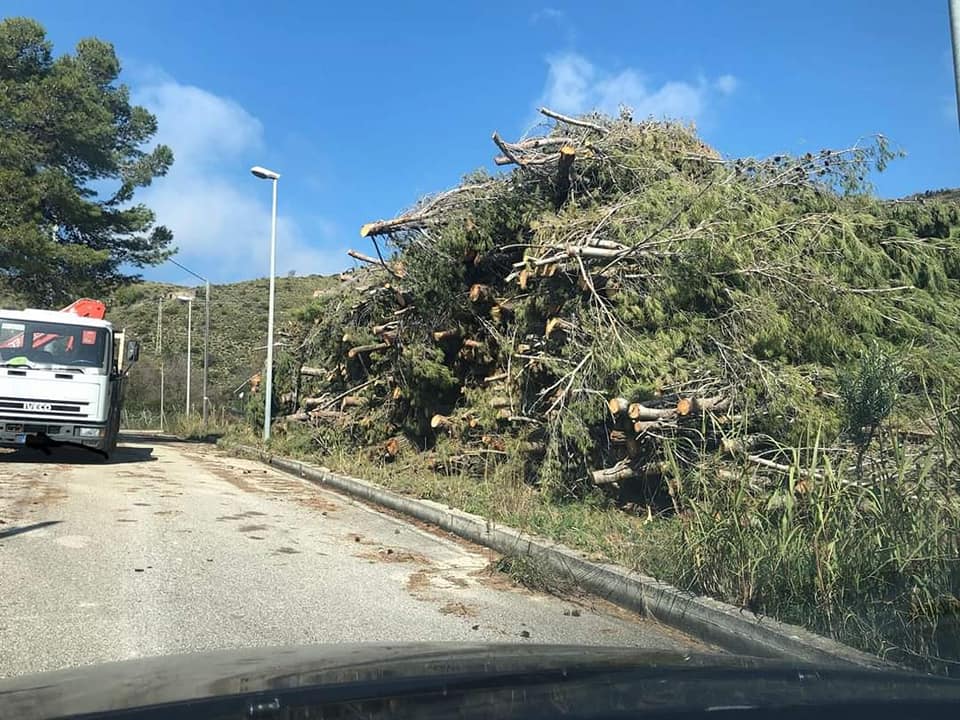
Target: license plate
21	438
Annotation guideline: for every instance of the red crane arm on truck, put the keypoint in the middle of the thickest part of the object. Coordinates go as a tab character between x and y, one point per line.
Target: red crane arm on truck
84	307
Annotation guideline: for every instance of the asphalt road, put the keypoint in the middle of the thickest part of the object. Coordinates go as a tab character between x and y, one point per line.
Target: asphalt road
172	548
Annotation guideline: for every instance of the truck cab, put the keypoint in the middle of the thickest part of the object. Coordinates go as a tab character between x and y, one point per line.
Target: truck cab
61	376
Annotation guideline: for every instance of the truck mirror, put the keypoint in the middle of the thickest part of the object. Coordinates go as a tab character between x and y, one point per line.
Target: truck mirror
133	351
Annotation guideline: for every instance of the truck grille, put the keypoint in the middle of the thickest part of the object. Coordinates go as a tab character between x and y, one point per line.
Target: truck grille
32	428
13	407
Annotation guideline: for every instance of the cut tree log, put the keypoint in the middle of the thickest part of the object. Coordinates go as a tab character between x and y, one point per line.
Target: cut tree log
441	335
313	372
441	421
353	401
564	172
716	403
639	411
618	405
644	426
314	402
363	349
396	445
490	379
472	344
386	327
481	293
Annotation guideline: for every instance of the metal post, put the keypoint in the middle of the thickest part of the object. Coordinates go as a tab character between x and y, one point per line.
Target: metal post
206	350
160	354
268	388
955	37
189	337
206	333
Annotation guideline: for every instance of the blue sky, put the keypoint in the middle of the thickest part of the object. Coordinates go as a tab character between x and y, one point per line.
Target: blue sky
364	107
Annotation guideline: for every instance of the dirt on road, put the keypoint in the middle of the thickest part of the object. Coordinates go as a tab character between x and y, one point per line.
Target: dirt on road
177	547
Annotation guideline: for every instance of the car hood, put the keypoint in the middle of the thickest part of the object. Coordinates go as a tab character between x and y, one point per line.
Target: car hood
259	674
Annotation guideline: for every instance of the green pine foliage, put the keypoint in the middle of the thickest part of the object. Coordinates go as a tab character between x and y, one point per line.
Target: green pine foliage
72	155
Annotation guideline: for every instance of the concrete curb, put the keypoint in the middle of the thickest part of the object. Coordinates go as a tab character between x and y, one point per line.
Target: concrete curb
708	620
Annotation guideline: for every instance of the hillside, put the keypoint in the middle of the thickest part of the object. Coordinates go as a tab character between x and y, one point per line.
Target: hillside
238	331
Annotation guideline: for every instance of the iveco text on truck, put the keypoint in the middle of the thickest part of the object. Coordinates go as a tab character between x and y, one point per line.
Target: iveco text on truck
61	376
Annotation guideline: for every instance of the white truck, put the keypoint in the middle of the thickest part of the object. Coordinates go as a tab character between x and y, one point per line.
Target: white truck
61	377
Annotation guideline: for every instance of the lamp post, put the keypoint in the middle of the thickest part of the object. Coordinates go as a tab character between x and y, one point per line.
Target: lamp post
955	42
188	299
265	174
159	349
206	333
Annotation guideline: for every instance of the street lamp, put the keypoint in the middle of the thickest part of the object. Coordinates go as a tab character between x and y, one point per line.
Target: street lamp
206	333
265	174
188	299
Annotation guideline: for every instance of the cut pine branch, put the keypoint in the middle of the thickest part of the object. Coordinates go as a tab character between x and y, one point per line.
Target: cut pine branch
498	377
623	470
577	122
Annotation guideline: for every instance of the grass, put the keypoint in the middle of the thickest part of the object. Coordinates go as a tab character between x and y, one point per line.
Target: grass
876	566
182	425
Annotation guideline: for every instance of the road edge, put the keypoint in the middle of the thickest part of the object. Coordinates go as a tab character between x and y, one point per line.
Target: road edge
729	627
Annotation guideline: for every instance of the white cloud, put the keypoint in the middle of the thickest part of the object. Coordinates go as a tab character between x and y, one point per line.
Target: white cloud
218	212
727	84
575	85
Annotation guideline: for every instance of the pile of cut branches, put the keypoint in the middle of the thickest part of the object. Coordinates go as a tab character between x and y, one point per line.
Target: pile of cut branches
622	291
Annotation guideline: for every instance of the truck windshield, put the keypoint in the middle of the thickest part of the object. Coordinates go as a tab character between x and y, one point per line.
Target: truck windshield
45	344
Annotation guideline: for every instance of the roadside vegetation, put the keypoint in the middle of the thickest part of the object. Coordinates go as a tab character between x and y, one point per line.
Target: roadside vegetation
737	375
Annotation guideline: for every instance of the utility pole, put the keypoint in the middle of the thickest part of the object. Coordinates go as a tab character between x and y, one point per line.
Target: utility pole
206	333
188	299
